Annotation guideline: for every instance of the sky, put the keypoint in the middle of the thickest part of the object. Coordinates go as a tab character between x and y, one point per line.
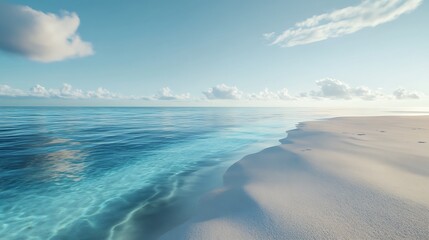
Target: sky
215	53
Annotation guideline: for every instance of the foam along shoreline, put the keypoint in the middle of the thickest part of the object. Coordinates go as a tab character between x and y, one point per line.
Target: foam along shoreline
342	178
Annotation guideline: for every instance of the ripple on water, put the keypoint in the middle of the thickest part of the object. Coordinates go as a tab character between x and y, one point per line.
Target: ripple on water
99	173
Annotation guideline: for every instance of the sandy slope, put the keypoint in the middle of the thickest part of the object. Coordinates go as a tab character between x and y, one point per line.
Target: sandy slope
343	178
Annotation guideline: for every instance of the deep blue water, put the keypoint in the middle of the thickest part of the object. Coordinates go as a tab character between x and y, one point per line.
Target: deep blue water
121	173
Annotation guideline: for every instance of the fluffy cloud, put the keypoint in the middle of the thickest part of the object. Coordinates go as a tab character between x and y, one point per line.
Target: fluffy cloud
401	93
329	88
336	89
102	93
369	13
223	91
166	94
39	91
366	93
332	88
69	92
267	95
66	92
40	36
7	91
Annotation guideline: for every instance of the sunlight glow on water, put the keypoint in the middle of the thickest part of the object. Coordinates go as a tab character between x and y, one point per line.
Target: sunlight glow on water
115	173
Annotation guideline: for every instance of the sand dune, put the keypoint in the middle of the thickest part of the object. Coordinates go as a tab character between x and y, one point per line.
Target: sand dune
343	178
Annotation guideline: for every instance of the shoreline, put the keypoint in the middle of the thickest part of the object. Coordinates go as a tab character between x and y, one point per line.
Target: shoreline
341	177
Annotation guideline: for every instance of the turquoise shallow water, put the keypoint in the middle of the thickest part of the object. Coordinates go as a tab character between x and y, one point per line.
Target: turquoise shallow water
121	173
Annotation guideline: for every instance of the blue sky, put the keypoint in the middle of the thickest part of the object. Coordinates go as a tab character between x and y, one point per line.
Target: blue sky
147	52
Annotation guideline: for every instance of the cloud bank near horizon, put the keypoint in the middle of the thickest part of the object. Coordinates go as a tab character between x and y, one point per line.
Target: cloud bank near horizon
328	89
402	93
65	92
335	89
369	13
222	91
69	92
225	92
166	94
39	36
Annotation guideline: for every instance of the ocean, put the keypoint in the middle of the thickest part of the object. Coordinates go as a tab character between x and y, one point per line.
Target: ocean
122	173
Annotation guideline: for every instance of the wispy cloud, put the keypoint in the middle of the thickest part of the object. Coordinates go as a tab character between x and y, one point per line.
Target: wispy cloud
369	13
39	36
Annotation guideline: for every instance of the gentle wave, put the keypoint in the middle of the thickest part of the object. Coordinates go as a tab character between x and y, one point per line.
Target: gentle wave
115	173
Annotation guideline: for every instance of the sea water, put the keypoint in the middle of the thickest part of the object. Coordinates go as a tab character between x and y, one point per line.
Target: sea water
121	173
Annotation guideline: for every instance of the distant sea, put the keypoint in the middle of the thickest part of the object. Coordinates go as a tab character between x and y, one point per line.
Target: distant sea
122	173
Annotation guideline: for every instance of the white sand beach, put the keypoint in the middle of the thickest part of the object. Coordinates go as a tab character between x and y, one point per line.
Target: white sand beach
342	178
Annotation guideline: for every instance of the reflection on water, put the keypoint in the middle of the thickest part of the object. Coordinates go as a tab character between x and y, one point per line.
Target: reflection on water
121	173
64	163
58	141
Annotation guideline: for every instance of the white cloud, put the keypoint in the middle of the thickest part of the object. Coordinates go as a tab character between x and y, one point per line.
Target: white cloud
166	94
369	13
269	36
102	93
65	92
268	95
223	91
401	93
7	91
39	91
332	88
329	88
336	89
283	94
366	93
40	36
68	92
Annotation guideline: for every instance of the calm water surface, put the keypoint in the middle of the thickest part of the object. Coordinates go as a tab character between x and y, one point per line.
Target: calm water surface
121	173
